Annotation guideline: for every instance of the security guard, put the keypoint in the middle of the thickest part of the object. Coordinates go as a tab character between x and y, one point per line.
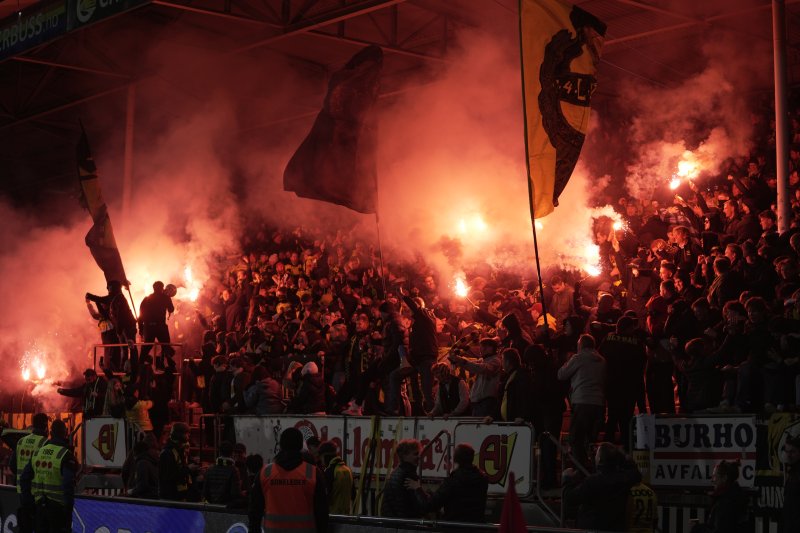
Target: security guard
48	481
289	493
25	449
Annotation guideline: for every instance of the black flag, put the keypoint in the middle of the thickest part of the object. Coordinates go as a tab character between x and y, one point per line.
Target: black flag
337	162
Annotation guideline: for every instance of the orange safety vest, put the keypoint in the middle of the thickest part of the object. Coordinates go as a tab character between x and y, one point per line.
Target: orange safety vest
289	498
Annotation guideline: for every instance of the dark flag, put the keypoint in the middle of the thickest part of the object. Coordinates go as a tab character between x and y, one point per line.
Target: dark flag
100	238
560	47
337	162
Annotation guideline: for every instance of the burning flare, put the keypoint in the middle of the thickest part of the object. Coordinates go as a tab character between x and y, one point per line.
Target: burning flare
461	288
192	287
33	365
674	183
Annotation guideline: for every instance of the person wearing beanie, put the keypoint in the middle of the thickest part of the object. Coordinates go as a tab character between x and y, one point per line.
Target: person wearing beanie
25	449
289	493
309	399
48	481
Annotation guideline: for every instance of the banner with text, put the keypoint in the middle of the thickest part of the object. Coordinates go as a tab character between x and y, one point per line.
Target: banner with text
684	450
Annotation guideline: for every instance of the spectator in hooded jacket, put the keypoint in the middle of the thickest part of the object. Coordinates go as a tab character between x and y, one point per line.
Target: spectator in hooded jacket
338	479
310	396
586	372
223	484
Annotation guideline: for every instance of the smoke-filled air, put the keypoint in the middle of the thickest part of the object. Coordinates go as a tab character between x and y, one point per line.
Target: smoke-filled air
210	152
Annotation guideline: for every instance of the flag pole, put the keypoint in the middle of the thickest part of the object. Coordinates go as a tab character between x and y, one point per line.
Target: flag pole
380	252
530	182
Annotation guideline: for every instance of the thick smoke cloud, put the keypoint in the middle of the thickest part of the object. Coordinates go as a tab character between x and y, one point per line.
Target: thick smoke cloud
707	113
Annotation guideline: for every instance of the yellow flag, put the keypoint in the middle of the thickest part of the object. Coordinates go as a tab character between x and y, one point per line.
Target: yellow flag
560	47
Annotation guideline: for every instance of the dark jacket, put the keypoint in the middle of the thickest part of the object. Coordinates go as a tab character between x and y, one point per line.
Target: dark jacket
791	501
93	396
515	394
289	461
422	341
462	494
220	390
310	397
264	397
728	512
602	498
174	475
222	482
398	501
144	482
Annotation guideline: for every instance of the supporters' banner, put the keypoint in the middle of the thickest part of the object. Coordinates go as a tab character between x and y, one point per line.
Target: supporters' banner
336	161
683	451
770	462
104	442
500	450
100	238
560	48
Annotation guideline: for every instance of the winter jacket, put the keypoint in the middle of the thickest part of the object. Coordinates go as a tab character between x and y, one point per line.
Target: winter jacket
310	397
462	494
586	372
398	501
602	498
222	482
339	482
265	397
422	342
144	482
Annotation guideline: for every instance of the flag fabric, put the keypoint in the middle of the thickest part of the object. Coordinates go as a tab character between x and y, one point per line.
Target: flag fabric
337	161
100	238
559	47
511	519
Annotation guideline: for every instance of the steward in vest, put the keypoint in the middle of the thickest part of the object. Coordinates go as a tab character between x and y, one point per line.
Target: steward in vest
289	493
26	447
174	474
48	481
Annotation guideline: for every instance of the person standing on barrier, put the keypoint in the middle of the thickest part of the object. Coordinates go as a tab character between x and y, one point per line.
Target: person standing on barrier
289	494
25	449
586	372
483	396
121	316
48	482
398	500
462	494
153	313
338	479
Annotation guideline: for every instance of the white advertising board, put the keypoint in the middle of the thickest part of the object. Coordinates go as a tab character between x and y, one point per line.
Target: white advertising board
104	439
500	449
684	450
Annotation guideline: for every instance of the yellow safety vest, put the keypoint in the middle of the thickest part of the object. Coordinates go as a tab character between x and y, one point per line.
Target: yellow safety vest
26	447
47	479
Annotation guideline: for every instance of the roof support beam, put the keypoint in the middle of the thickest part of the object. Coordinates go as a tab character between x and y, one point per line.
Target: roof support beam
337	15
65	66
690	23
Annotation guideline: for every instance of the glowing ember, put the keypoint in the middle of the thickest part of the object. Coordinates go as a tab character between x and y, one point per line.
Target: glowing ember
591	254
688	166
674	183
33	363
618	225
539	225
461	288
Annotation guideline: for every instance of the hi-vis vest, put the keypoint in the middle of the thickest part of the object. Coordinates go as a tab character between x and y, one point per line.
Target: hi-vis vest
47	479
289	498
26	447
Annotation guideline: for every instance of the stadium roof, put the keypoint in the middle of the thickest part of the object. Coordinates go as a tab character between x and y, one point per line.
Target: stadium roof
80	52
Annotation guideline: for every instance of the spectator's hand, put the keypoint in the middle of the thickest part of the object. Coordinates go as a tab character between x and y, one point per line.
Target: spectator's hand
519	420
402	291
412	484
445	416
60	390
488	420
